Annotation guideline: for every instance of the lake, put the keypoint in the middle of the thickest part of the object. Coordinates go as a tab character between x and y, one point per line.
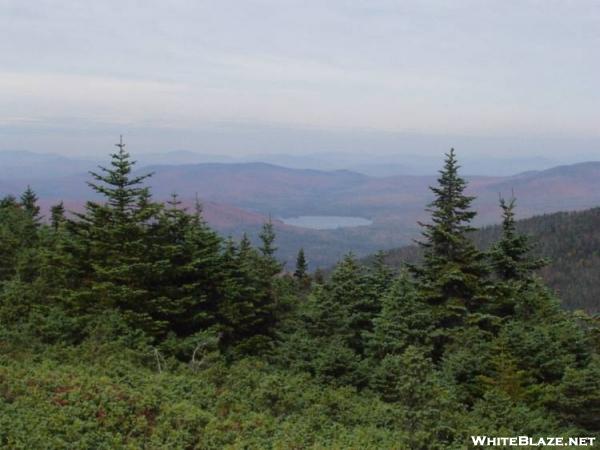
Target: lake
326	222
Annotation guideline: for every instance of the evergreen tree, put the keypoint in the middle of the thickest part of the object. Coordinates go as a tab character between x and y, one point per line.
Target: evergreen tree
404	320
245	246
578	398
453	271
12	223
190	283
267	249
329	310
267	238
319	276
410	380
301	271
29	201
8	201
510	256
380	275
29	204
247	307
379	278
116	247
57	215
512	264
327	335
343	307
19	226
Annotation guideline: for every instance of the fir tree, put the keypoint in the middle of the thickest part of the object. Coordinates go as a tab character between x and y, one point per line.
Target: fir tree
116	239
329	308
380	275
29	201
452	274
17	233
344	308
57	215
29	205
8	201
301	271
267	238
378	279
190	253
245	246
510	256
267	249
512	264
404	320
410	380
247	306
319	276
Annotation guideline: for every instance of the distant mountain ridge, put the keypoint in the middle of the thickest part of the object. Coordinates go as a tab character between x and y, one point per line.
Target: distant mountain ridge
243	195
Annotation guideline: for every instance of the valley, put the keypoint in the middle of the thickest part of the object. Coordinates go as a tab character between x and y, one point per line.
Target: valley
326	212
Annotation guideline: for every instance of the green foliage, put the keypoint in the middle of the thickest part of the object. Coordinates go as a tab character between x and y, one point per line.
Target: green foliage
410	380
57	215
453	273
510	256
404	320
17	235
115	245
567	241
247	307
301	271
578	398
134	325
85	401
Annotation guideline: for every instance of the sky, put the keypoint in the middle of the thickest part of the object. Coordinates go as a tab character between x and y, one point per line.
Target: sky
508	77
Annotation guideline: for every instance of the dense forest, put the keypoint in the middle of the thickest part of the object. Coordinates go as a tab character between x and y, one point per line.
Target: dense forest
132	324
570	243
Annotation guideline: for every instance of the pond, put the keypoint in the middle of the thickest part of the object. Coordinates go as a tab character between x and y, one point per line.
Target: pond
326	222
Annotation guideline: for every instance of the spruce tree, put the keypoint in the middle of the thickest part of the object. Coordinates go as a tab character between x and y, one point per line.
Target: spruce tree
247	306
453	271
404	320
380	275
190	253
57	215
511	255
329	312
344	306
116	239
378	280
409	379
17	233
301	271
267	249
267	238
29	203
512	265
245	246
8	201
319	276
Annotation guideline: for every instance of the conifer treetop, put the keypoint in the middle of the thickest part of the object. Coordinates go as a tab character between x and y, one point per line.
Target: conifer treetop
116	183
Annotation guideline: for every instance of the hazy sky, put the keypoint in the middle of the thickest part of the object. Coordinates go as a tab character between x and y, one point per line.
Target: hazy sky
286	75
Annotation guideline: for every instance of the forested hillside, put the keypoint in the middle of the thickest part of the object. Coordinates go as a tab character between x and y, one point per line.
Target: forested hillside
570	242
132	324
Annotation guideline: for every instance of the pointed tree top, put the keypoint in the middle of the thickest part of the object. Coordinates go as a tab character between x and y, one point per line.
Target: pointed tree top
120	145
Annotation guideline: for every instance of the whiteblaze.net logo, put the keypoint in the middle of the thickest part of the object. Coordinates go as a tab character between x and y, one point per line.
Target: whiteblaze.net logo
526	441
